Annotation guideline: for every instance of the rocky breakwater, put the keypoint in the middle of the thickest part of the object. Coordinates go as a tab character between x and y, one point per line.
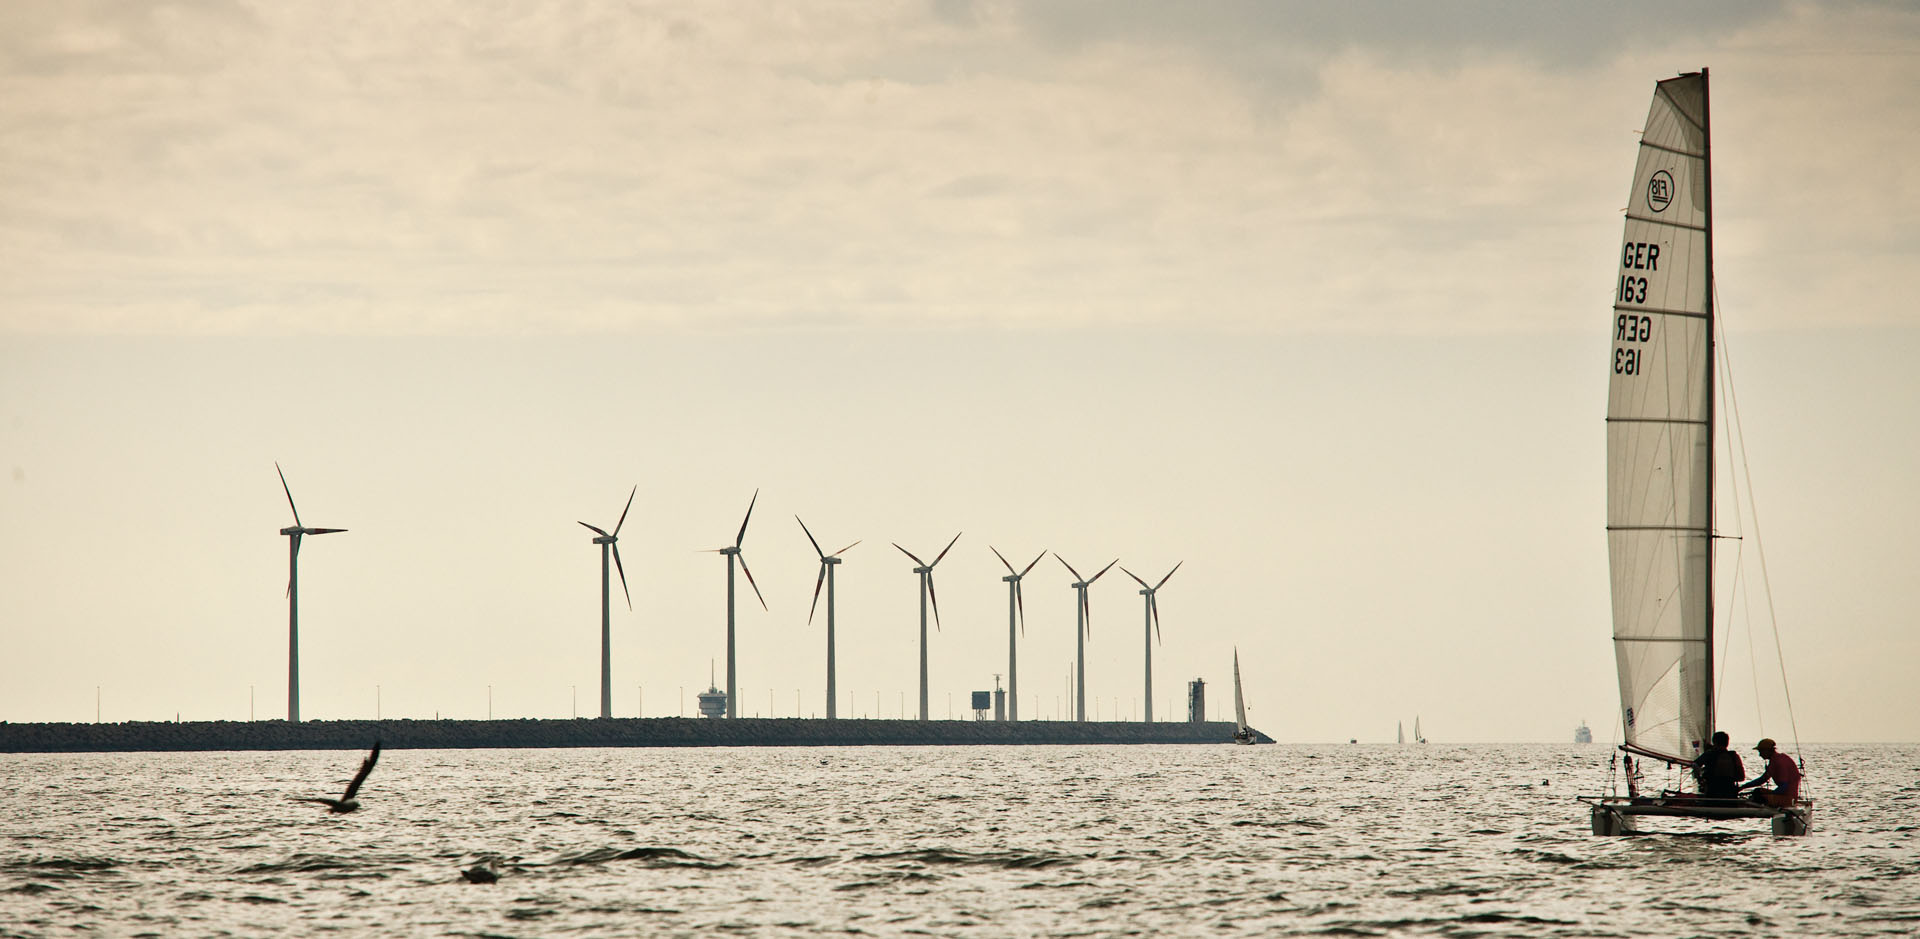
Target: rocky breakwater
589	732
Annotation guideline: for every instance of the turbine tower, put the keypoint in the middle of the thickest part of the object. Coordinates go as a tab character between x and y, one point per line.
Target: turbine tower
925	571
1015	604
732	553
294	535
1083	627
827	563
1153	628
610	542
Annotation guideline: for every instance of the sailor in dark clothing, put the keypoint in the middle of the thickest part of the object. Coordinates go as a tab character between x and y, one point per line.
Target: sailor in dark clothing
1718	770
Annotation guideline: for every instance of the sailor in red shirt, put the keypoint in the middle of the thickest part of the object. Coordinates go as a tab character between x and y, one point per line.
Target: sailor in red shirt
1784	773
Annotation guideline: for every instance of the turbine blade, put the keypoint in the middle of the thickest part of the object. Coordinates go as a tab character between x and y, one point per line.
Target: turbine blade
601	531
324	531
623	576
296	544
1019	601
910	554
1103	570
1003	560
1163	580
1036	560
1153	609
1070	570
283	487
623	512
817	581
743	522
943	551
810	538
749	573
933	595
1086	613
1136	577
847	548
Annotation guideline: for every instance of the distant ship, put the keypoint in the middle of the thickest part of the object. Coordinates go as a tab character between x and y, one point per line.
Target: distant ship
1581	734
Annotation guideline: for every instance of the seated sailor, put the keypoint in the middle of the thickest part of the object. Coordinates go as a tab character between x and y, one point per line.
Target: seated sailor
1719	770
1782	771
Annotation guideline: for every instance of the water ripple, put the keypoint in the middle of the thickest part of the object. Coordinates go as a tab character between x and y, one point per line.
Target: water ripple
1043	841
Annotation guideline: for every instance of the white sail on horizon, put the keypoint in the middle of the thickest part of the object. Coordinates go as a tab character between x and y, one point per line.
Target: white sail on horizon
1239	701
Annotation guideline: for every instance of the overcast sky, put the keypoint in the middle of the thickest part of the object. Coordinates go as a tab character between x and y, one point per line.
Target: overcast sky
1315	298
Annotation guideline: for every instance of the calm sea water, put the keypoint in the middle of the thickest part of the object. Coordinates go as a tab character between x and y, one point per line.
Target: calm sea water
1075	841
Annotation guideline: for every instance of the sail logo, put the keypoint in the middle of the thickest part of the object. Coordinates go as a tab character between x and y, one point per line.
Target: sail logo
1660	191
1629	717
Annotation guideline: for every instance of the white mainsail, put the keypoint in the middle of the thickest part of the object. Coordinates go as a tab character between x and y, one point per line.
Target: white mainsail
1660	432
1239	702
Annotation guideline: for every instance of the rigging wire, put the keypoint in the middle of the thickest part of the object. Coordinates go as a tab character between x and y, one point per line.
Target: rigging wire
1738	589
1760	549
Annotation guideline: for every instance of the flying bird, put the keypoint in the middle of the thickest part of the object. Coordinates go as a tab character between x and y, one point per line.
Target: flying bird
347	802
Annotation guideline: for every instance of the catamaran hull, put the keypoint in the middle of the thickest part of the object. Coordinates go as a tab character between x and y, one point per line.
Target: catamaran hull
1614	816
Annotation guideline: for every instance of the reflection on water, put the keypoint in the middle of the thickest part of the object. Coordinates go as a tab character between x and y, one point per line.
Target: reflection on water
1284	840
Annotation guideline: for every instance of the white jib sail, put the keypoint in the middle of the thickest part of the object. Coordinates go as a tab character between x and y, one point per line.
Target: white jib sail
1659	432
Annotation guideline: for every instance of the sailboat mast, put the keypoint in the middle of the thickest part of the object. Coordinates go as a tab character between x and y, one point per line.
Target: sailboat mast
1706	163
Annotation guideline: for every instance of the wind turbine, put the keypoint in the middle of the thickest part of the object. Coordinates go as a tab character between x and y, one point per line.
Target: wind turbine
1153	628
610	543
925	571
732	553
827	563
294	535
1014	604
1084	626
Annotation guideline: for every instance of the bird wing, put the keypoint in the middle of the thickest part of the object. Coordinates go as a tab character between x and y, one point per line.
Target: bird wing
366	766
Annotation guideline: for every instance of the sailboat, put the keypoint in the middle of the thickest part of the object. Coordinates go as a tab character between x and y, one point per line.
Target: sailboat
1660	475
1418	737
1241	732
1400	732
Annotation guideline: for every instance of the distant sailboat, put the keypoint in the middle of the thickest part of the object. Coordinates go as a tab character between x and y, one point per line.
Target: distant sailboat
1660	473
1242	734
1418	737
1400	732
